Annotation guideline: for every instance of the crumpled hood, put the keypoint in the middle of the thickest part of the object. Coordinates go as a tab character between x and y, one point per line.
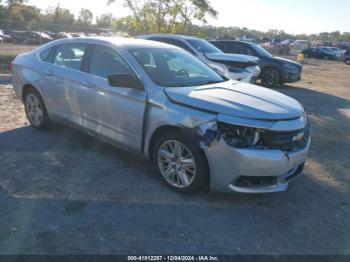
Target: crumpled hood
238	99
232	58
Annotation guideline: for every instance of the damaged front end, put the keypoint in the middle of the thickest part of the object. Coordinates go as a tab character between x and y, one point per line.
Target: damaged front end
258	159
238	67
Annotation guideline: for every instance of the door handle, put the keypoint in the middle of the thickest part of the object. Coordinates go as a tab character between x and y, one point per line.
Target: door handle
48	73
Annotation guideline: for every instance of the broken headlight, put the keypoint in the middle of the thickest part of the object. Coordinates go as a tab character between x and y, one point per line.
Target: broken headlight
239	136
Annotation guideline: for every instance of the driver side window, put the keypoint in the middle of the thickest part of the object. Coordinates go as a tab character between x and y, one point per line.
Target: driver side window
106	61
250	51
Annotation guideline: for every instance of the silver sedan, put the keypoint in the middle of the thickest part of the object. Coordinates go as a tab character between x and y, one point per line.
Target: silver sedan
164	104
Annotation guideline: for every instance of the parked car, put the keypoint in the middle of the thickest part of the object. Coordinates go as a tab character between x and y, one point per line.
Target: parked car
318	53
274	70
345	47
161	102
337	49
30	37
236	67
59	35
78	34
333	50
346	57
301	44
5	37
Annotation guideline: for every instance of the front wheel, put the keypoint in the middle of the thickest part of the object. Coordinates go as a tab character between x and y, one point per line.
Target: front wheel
35	109
181	163
270	77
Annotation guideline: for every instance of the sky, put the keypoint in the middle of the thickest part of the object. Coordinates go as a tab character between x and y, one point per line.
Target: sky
292	16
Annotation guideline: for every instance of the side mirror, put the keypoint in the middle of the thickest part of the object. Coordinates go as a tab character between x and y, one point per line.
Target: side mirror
124	80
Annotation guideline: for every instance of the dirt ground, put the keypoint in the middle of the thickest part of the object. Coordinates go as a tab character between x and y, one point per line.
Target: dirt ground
14	49
8	52
62	192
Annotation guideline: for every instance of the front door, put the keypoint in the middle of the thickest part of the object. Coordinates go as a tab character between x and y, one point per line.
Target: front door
115	112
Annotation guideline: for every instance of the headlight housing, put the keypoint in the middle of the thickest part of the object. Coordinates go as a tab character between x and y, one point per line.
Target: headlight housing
239	136
233	69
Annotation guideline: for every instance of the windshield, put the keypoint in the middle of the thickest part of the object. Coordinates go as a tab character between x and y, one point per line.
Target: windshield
203	46
262	52
174	67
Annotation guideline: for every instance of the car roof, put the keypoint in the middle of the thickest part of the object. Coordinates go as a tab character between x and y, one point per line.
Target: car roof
233	41
117	41
184	37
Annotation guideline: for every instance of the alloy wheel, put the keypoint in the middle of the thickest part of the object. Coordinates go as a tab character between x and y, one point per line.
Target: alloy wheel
269	78
34	109
176	164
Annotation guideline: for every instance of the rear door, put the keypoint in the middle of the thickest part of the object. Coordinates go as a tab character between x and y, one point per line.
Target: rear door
64	78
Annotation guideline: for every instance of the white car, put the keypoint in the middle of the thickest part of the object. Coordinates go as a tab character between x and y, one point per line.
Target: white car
232	66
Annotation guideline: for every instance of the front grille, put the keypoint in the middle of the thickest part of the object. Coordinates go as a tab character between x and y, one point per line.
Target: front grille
286	141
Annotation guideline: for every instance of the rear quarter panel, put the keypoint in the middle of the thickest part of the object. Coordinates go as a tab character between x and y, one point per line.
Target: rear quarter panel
27	70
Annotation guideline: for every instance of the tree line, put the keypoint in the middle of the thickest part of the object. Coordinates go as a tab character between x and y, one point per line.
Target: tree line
146	16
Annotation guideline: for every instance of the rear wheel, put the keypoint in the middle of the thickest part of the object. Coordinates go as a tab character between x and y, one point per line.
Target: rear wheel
270	77
181	163
35	109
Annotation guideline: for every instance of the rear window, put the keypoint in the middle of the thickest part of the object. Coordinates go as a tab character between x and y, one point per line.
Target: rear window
45	55
70	55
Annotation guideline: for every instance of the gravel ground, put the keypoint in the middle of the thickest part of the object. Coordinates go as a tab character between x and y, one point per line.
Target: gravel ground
62	192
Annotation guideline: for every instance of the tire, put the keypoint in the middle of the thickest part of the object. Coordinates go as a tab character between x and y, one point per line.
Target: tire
270	77
347	61
173	175
35	109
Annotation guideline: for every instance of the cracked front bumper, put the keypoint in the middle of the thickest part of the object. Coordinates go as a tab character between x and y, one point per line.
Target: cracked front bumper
229	165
